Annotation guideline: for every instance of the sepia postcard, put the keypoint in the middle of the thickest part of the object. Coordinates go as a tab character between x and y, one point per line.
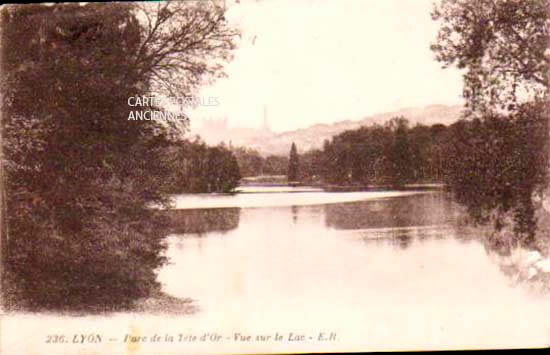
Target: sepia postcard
274	176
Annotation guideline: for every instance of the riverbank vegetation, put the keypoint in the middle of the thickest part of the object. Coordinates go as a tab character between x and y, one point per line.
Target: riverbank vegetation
252	163
198	168
393	154
77	174
500	163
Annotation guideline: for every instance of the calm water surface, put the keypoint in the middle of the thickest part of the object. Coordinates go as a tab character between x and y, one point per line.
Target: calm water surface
382	271
372	267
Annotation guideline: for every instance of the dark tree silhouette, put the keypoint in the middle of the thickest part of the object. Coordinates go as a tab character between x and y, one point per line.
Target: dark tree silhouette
400	153
293	165
391	154
79	174
502	45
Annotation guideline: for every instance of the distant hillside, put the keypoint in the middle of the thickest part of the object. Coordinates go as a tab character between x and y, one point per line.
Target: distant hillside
312	137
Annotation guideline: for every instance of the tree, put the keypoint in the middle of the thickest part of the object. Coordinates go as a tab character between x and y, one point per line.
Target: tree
183	45
222	170
400	154
503	47
311	166
198	168
275	165
493	166
68	147
231	172
250	161
79	174
293	163
389	154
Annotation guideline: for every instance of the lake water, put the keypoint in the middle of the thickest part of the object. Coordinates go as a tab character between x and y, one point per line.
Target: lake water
322	271
380	269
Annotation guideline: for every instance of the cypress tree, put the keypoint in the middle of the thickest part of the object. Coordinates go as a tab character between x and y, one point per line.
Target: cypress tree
293	164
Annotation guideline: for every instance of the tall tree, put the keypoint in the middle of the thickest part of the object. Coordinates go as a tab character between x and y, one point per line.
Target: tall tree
67	162
222	172
400	154
292	175
183	45
503	47
79	174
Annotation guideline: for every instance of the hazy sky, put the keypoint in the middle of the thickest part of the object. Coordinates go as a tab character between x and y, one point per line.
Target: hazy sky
315	61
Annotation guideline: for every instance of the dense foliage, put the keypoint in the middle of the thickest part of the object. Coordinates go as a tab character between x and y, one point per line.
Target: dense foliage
495	165
500	160
197	167
502	47
79	175
293	164
73	162
251	163
391	154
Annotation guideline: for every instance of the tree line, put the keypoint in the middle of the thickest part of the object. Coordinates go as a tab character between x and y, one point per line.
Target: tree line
495	165
393	154
492	165
198	168
252	163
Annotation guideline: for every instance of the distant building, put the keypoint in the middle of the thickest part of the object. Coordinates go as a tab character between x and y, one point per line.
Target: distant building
217	130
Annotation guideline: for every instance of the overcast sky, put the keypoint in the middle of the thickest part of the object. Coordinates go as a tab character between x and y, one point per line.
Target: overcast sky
315	61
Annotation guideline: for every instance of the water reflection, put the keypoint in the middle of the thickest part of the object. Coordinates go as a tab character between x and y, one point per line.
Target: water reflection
201	221
395	220
403	211
395	239
384	267
402	240
399	221
294	210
